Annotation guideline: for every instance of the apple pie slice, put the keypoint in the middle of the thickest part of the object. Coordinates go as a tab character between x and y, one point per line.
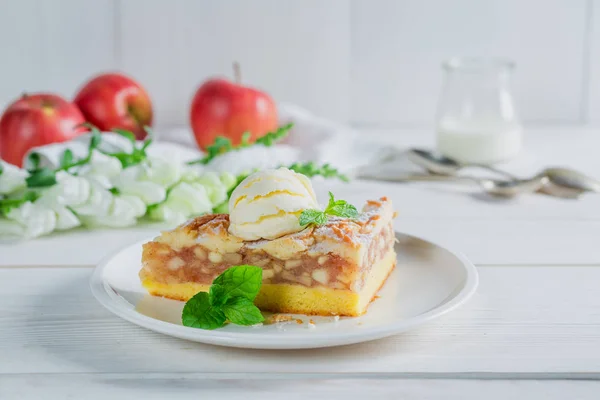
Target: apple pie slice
333	269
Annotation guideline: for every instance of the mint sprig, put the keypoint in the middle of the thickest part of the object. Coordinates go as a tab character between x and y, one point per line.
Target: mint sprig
200	313
337	208
241	311
240	281
230	298
223	145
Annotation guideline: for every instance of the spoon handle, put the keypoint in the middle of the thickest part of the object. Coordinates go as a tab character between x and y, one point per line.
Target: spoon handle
417	178
494	170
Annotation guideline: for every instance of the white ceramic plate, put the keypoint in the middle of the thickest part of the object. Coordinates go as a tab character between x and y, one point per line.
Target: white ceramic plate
428	281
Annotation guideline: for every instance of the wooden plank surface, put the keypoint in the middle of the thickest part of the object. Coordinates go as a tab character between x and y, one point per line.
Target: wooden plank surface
183	387
523	320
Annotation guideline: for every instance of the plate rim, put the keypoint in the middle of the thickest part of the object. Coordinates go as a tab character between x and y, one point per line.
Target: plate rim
102	292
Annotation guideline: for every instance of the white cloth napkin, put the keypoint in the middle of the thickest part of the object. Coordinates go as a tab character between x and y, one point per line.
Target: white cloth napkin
311	139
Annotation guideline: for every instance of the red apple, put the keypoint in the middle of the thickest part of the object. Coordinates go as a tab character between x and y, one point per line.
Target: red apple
114	100
223	108
37	120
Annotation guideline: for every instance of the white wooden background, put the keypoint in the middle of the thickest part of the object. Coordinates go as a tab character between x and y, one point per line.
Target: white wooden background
367	62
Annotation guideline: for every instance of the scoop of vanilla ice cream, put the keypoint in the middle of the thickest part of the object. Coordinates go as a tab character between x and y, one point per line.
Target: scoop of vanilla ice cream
268	204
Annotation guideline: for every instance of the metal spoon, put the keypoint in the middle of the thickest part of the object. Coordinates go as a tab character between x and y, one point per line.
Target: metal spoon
493	187
563	182
572	179
442	165
513	187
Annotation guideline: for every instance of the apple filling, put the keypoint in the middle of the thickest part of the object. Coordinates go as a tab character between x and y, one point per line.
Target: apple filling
196	263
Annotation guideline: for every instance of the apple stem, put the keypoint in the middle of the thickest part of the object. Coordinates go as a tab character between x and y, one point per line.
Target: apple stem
237	72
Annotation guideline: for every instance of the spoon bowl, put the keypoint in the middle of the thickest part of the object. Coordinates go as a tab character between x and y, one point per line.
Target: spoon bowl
572	179
513	187
436	164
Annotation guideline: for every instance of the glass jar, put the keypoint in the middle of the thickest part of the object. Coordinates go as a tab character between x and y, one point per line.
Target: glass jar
476	117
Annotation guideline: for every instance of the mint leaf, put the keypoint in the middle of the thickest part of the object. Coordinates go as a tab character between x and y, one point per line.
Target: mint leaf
126	134
217	295
114	190
229	297
34	159
1	168
41	178
310	216
241	311
199	313
240	281
343	210
331	200
66	159
340	208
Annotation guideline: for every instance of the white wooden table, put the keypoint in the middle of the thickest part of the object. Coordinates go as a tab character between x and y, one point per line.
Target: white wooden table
532	330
